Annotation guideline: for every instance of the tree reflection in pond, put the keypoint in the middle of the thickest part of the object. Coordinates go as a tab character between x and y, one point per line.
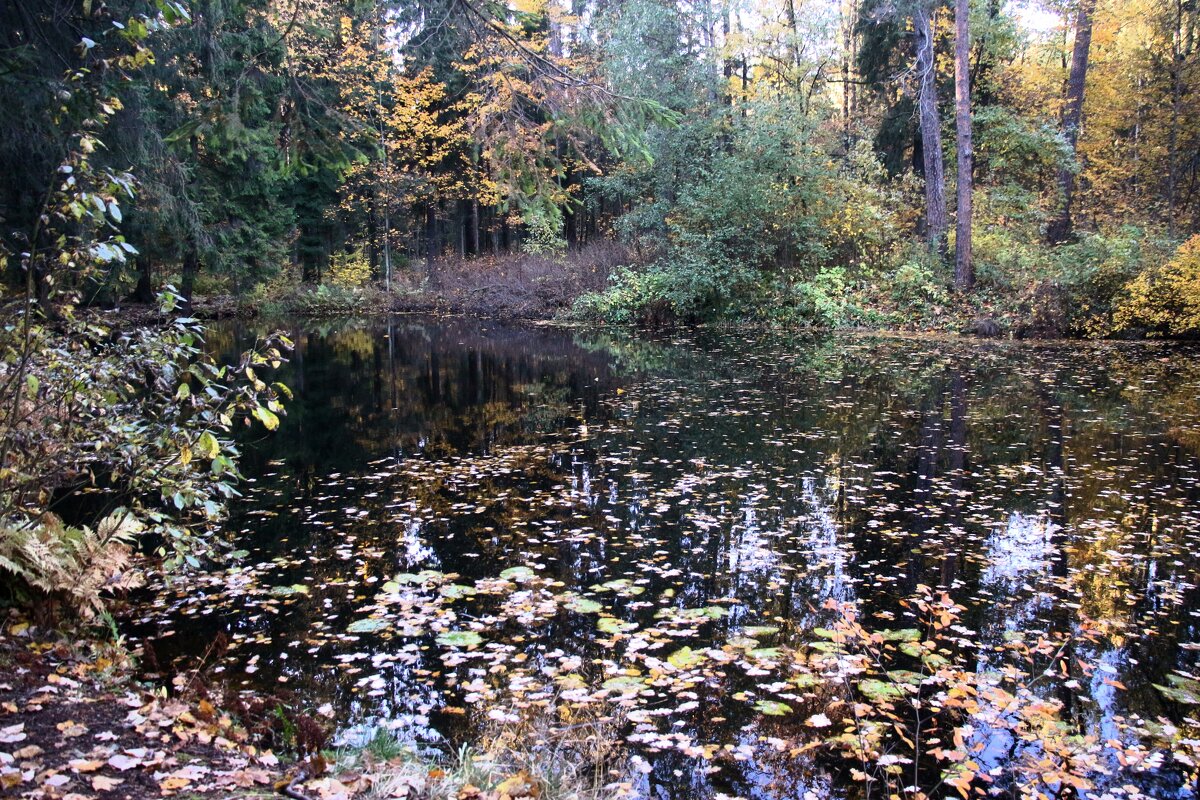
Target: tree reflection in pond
663	521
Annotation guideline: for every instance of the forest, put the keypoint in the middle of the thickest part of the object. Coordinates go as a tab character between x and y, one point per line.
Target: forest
600	399
1031	168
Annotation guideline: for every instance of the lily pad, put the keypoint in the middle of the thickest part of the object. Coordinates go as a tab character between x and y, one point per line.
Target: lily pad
772	708
624	683
906	676
288	591
457	591
901	635
368	625
612	625
583	605
764	653
459	639
419	578
880	691
685	658
1182	690
622	586
742	642
760	630
518	574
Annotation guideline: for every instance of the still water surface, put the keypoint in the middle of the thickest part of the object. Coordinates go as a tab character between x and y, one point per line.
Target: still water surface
688	491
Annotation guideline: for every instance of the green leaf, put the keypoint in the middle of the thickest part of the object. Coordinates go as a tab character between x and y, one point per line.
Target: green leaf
1182	690
266	417
764	653
459	639
368	625
613	626
685	658
906	676
207	444
772	708
583	605
755	631
901	635
518	574
456	591
880	691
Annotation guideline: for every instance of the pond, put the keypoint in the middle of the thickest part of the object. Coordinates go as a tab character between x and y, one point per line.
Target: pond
462	525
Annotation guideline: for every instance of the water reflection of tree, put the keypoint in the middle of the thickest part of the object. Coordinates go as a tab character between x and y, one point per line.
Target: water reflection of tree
777	471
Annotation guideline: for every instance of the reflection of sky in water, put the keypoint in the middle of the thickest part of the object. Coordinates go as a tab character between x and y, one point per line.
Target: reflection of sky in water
780	475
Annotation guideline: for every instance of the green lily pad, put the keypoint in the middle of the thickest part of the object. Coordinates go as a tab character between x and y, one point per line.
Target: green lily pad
1182	690
691	614
583	605
772	708
624	683
459	639
418	578
288	591
880	691
685	658
518	574
761	630
368	625
613	626
764	653
620	586
906	676
457	591
742	642
901	635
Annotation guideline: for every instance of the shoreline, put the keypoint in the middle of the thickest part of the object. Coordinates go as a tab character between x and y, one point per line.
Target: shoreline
226	307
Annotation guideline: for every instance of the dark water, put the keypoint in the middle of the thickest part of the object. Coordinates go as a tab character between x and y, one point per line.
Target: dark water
753	476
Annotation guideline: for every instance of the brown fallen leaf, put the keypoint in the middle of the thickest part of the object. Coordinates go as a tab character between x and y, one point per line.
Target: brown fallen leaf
102	783
245	778
12	733
70	728
123	762
85	765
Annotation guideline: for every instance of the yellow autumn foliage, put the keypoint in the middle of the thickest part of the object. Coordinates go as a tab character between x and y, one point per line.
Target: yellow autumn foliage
1164	301
349	270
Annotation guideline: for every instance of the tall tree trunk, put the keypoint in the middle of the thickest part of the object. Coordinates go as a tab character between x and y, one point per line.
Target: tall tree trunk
931	132
964	271
849	12
474	227
1177	64
1059	229
187	284
431	241
144	293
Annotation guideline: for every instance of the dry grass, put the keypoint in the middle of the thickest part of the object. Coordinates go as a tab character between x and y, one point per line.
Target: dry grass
517	286
528	753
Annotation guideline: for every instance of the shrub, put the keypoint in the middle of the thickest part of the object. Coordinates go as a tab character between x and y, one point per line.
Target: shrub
349	270
1163	301
916	285
543	232
74	566
91	417
1094	271
635	296
820	301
